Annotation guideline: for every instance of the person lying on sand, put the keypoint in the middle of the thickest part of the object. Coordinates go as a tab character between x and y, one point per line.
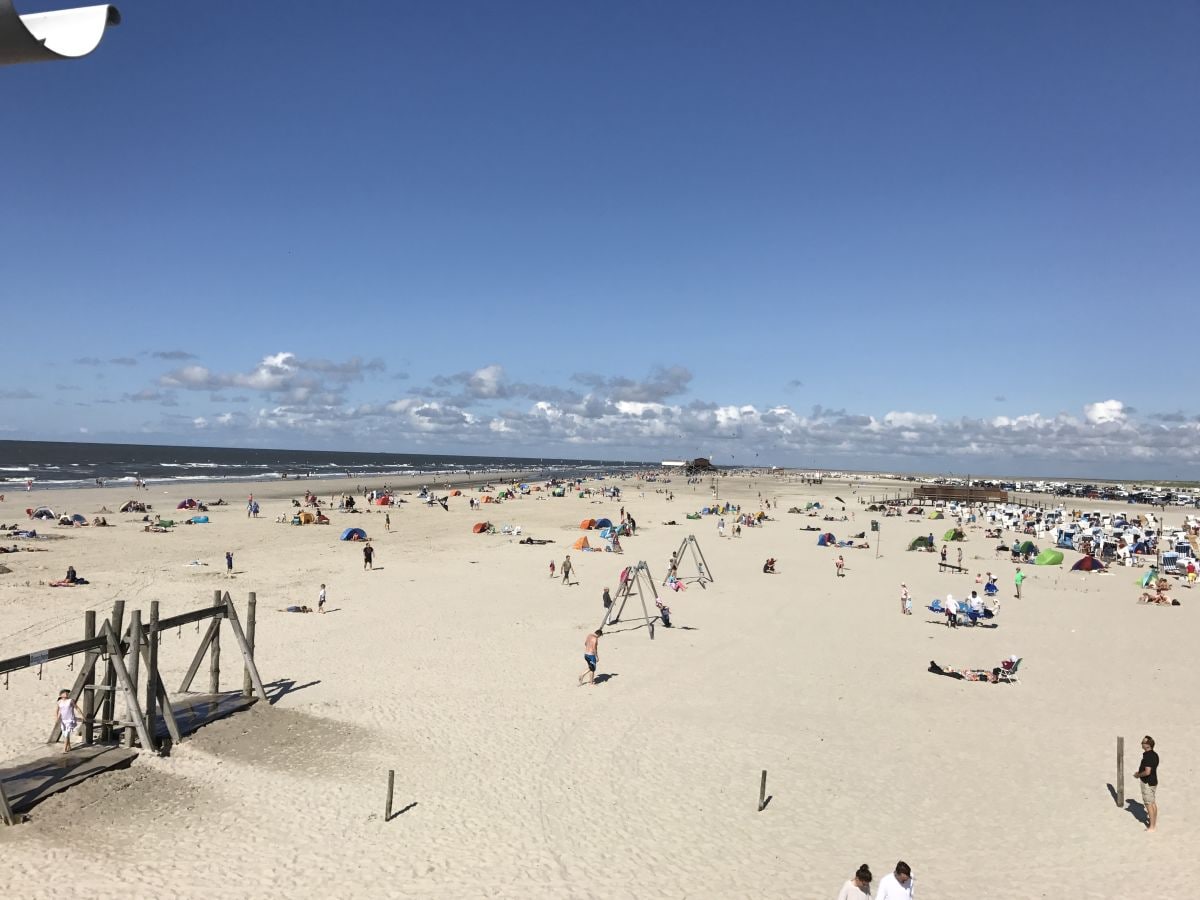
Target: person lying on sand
297	609
1158	598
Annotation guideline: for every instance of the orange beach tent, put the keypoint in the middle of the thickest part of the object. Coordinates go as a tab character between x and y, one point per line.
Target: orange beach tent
587	524
581	544
479	527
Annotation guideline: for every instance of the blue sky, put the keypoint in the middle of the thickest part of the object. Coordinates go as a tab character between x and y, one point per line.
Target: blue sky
930	236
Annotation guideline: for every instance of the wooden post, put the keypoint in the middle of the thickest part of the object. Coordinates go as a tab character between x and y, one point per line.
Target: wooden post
214	659
387	811
133	665
1121	772
247	655
6	813
762	792
108	703
151	652
131	697
89	681
251	608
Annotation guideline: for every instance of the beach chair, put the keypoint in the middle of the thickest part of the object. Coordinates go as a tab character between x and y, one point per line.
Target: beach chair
1010	675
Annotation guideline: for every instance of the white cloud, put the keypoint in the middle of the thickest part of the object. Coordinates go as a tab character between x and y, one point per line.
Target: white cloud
1105	411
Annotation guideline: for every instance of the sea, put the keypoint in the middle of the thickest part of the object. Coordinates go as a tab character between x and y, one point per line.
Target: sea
54	464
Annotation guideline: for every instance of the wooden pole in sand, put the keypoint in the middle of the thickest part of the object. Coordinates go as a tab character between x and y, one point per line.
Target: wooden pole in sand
1121	772
133	665
89	696
152	674
108	704
762	792
214	652
387	812
247	681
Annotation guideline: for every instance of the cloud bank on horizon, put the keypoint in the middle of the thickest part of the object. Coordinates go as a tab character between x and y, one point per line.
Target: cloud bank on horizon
289	400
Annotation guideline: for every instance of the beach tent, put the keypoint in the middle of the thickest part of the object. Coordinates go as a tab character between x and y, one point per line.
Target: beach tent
80	518
354	534
954	534
456	493
307	518
936	514
189	503
587	524
606	533
1029	547
1049	558
199	520
1088	564
383	501
604	523
920	543
488	498
43	512
826	540
479	527
914	511
581	544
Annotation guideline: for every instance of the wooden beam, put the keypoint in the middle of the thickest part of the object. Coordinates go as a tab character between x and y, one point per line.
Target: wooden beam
199	657
131	697
247	650
187	618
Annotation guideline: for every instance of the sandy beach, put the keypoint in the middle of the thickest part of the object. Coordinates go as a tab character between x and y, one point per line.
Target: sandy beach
455	662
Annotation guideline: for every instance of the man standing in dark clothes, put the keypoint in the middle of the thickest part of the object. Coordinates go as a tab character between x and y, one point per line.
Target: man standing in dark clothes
1148	775
368	556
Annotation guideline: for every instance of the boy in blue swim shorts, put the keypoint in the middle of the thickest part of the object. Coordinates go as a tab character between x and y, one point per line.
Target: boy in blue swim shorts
591	655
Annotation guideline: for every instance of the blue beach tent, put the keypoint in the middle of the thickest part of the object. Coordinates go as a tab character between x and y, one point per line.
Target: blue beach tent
604	523
354	534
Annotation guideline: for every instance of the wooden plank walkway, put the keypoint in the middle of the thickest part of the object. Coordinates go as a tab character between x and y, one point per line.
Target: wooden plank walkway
194	711
30	779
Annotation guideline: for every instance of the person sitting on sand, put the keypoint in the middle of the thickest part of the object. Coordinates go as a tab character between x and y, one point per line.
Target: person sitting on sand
769	566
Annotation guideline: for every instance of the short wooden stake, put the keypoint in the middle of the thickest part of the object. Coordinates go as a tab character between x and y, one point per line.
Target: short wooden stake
762	792
1121	772
387	811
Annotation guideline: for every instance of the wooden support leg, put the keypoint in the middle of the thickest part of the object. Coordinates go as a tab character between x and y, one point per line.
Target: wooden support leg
108	701
89	673
6	812
251	617
135	647
246	648
131	697
150	655
214	660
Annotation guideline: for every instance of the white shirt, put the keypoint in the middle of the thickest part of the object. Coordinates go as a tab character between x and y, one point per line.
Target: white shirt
891	889
851	891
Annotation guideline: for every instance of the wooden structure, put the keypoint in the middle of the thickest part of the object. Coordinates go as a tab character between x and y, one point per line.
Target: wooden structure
690	546
636	582
951	567
130	655
935	493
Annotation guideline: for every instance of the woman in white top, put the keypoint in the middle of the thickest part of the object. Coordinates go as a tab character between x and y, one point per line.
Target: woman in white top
858	887
68	715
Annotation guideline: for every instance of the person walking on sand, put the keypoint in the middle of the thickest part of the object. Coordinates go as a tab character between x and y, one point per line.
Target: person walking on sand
858	887
960	557
905	600
1017	579
897	884
566	570
1147	774
721	527
591	655
321	600
551	568
229	561
387	522
943	552
840	566
606	599
68	715
368	556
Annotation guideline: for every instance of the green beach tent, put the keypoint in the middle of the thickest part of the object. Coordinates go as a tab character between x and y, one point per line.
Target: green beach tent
1028	547
1049	558
954	534
936	514
919	543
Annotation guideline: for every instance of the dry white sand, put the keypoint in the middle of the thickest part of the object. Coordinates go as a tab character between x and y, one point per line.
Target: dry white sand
455	663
